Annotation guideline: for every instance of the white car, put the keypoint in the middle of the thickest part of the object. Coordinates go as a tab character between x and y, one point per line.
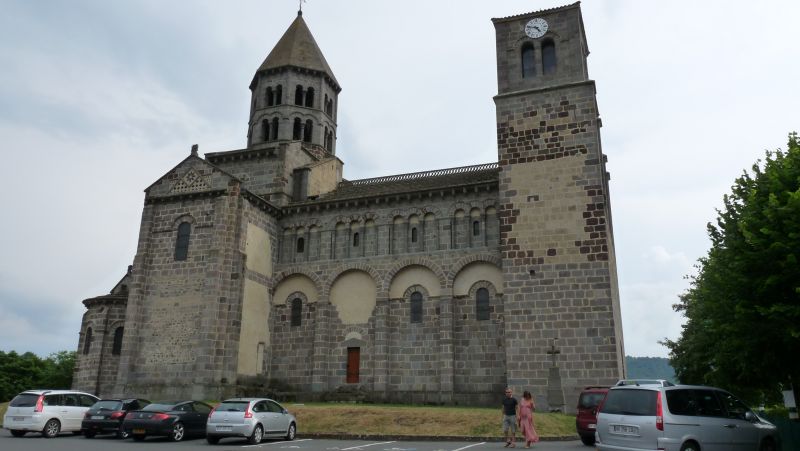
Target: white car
47	411
250	418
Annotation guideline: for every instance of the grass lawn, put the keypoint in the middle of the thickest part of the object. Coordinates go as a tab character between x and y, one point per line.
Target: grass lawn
417	420
410	420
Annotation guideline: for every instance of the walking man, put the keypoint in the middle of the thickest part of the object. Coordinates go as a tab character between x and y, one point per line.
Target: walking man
510	415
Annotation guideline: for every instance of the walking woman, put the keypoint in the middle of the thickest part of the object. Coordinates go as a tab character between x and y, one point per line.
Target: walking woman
526	408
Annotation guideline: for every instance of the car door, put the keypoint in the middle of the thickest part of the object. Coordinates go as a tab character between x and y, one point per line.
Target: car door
713	432
262	415
280	421
201	411
72	411
742	434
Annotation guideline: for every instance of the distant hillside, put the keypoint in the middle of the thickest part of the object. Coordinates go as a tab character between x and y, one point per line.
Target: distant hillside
650	368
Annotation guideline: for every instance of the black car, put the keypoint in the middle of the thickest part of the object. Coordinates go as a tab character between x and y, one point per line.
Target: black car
107	415
176	420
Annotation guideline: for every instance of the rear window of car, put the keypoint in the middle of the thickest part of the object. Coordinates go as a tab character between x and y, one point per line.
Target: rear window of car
24	400
590	400
107	405
630	402
159	407
233	406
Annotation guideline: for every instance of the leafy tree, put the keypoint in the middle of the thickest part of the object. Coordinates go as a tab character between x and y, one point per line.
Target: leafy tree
743	307
19	372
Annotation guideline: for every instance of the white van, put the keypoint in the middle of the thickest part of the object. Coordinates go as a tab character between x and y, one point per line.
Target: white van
47	411
680	418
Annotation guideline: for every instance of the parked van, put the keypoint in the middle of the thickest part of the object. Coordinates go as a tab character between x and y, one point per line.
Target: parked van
680	418
47	411
586	417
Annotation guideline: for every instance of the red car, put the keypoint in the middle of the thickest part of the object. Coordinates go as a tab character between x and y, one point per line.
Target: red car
586	419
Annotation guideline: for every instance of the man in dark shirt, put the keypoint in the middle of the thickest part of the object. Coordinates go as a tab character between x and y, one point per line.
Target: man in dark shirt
510	415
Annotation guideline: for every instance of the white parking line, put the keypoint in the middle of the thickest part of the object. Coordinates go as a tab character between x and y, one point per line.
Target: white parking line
469	446
276	443
364	446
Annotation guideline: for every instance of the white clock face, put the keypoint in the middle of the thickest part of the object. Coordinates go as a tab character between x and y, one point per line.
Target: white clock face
536	28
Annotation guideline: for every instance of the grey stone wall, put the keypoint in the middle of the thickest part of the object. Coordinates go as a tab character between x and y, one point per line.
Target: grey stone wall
96	365
555	231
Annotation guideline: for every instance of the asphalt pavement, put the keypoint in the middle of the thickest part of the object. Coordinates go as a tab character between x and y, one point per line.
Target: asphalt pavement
69	442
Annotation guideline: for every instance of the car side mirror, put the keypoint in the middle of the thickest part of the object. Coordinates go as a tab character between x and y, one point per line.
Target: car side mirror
284	411
750	416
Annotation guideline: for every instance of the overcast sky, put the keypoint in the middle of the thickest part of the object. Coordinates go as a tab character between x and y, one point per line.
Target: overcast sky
98	99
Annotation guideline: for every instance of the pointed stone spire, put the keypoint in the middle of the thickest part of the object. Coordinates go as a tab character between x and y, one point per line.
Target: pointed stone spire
297	48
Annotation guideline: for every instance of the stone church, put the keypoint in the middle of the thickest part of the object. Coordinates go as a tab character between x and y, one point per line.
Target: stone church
262	270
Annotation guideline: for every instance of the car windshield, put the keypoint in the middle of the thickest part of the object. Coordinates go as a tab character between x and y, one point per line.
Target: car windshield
159	407
233	406
630	402
24	400
107	405
590	400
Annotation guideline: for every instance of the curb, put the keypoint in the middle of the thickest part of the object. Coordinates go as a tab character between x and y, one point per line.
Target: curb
426	438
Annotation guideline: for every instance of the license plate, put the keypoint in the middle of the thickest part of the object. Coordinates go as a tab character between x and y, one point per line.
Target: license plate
224	428
97	417
18	418
625	430
138	431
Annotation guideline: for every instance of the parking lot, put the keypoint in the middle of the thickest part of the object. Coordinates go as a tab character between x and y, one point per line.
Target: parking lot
69	442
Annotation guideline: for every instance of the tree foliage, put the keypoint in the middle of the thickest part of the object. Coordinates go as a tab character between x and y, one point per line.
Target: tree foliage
743	307
19	372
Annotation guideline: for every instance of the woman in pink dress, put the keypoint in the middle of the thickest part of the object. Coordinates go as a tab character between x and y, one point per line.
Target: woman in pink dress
526	408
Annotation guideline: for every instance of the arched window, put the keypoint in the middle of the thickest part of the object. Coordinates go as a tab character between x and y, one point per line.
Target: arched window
298	95
482	304
275	128
325	138
265	130
355	239
476	228
325	104
270	97
297	312
548	57
416	307
307	131
301	245
528	60
278	94
87	341
329	144
414	235
116	349
297	132
182	243
310	97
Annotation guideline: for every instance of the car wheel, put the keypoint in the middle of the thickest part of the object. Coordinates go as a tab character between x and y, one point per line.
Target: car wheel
89	434
177	432
690	446
768	445
122	434
51	428
292	432
587	440
138	437
17	433
212	440
256	436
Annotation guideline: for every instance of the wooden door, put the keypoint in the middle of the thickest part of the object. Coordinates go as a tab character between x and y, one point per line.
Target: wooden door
353	362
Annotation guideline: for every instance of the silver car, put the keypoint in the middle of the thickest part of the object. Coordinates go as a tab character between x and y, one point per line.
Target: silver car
250	418
668	417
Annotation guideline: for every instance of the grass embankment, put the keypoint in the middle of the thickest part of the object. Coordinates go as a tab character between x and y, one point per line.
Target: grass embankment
3	408
417	420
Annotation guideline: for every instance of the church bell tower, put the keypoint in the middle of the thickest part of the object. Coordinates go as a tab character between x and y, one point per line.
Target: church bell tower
563	329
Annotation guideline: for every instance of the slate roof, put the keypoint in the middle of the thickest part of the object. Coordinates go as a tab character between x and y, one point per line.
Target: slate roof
297	48
439	179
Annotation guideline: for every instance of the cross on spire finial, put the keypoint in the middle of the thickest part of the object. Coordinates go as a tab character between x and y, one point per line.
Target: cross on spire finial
300	7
